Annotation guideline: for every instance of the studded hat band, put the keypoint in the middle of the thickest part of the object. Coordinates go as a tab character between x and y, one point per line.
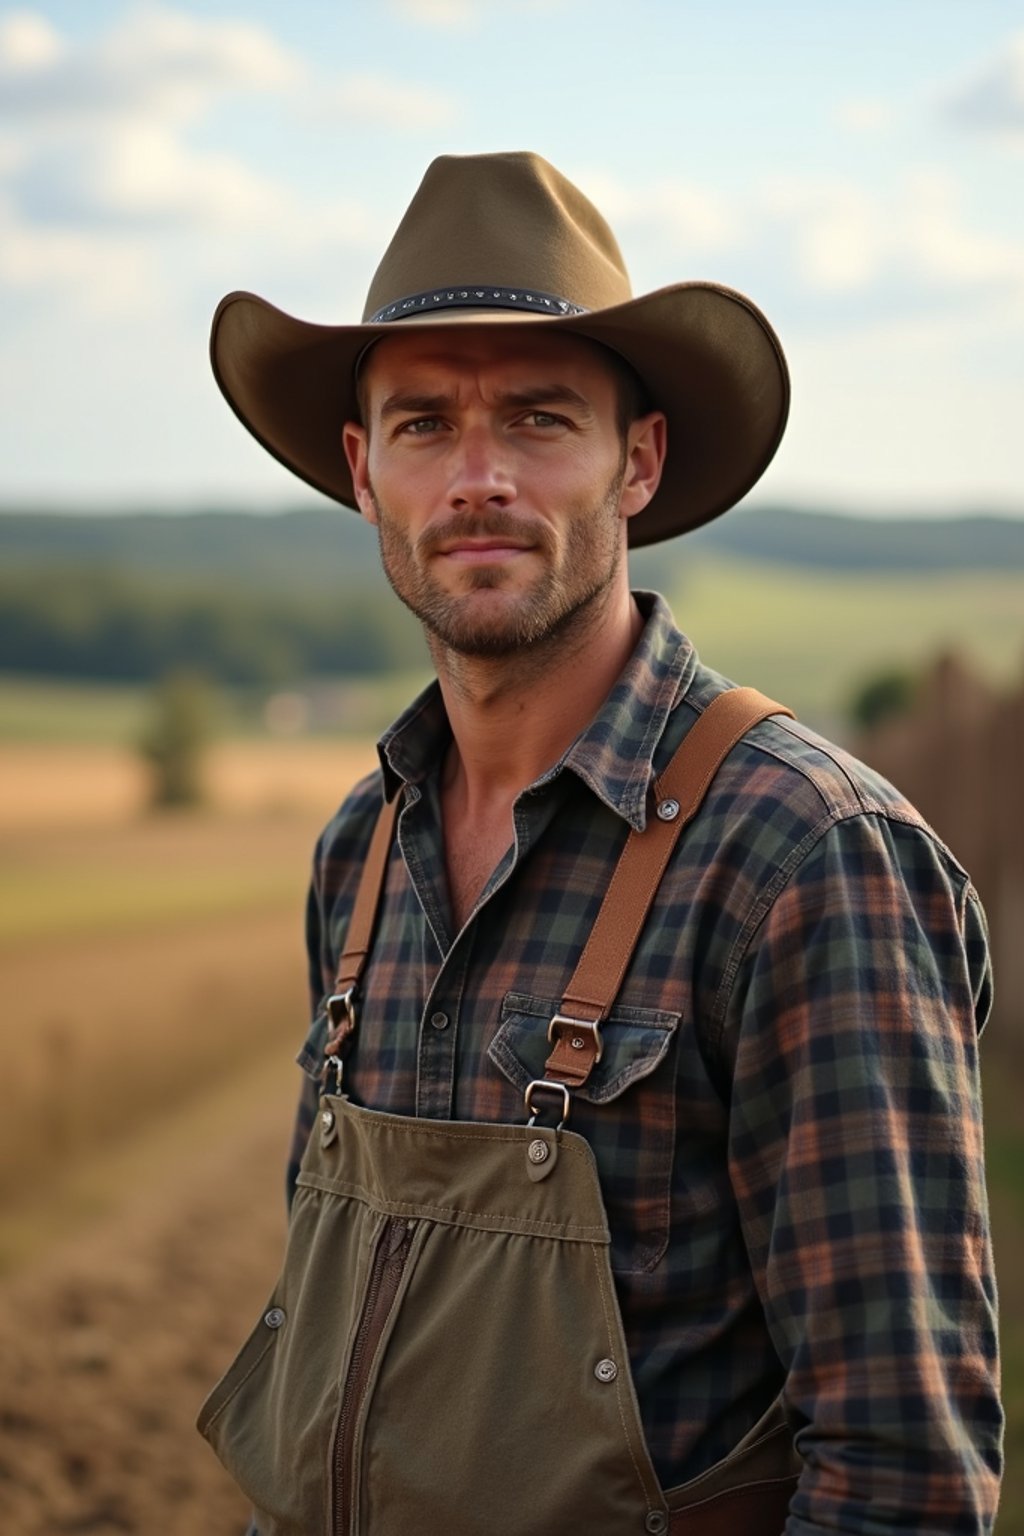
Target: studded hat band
485	296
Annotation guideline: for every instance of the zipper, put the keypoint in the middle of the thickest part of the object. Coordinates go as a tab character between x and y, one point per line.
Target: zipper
386	1273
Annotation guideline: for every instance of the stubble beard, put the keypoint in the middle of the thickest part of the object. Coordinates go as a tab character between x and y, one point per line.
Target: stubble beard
564	598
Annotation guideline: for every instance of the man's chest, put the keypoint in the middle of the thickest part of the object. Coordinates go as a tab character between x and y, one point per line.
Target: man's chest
472	852
468	921
458	1030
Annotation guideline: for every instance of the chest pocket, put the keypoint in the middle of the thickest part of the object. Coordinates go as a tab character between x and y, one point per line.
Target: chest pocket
626	1111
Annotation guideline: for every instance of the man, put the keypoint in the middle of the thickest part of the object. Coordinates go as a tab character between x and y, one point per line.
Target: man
764	1295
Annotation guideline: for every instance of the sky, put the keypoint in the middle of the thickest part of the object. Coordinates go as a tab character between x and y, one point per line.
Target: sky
856	168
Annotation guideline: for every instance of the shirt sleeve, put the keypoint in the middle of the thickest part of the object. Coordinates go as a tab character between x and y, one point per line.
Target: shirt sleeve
856	1158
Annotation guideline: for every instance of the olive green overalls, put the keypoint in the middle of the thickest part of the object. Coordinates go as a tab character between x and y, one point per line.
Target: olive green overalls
444	1354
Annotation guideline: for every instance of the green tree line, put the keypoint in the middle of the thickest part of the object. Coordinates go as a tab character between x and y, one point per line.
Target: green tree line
100	624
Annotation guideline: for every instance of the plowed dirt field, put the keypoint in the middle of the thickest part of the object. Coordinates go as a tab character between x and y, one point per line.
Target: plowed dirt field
110	1339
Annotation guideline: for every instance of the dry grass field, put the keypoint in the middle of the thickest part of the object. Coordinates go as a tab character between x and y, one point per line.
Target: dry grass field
154	996
143	957
59	784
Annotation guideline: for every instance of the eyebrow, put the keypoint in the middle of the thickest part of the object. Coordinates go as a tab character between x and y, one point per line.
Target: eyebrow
401	404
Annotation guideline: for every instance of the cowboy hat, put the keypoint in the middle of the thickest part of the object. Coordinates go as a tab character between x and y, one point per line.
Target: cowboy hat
507	237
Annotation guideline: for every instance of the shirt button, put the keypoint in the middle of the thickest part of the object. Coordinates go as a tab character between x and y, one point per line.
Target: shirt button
439	1020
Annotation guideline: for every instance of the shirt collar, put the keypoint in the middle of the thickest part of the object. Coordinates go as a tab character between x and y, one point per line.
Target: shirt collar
613	755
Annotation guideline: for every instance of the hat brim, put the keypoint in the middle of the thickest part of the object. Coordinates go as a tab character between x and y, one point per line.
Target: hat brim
706	355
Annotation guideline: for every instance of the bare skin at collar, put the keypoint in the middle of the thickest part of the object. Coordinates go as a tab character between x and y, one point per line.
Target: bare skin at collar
501	481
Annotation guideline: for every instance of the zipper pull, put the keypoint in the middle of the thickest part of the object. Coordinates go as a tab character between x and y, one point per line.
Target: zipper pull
399	1234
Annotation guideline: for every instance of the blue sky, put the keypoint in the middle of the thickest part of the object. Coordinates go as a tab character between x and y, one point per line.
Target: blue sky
857	169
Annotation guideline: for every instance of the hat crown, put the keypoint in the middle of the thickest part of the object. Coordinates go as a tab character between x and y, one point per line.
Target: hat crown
511	220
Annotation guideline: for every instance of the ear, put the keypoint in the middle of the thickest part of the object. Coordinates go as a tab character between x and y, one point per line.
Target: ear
646	446
356	444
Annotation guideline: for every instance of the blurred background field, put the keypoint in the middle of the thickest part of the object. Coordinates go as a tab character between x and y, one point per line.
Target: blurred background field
154	970
154	995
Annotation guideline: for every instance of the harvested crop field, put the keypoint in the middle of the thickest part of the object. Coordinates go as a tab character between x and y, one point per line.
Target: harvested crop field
78	783
154	981
111	1339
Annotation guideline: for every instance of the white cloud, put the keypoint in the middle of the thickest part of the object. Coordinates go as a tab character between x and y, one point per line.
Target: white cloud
27	43
679	215
143	177
13	154
385	102
102	132
102	275
464	15
439	13
104	175
943	244
156	61
991	99
835	230
98	125
846	239
833	249
100	263
864	116
148	175
176	44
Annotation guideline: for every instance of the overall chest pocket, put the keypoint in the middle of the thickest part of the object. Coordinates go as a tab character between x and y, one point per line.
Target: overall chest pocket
626	1111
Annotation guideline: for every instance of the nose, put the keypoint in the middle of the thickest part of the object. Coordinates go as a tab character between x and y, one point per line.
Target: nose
482	475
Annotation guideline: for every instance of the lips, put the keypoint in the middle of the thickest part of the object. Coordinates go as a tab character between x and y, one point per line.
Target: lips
482	550
476	539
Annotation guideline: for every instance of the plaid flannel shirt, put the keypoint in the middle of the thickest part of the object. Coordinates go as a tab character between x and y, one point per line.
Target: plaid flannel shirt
786	1117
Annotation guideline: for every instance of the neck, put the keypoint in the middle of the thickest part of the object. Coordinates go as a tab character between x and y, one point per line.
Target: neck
513	717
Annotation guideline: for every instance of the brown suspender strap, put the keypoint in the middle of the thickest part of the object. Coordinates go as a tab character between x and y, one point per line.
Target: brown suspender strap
341	1005
678	794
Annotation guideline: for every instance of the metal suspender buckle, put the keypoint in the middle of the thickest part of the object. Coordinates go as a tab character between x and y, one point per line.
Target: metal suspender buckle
541	1082
341	1010
579	1032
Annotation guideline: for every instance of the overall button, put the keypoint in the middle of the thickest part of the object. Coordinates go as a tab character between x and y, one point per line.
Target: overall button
439	1020
606	1370
656	1523
541	1155
274	1318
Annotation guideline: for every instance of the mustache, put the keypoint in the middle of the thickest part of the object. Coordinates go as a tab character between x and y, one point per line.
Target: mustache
485	525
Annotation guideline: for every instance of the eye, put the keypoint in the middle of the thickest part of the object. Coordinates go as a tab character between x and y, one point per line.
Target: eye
544	420
421	426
